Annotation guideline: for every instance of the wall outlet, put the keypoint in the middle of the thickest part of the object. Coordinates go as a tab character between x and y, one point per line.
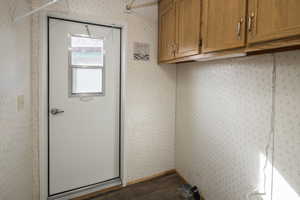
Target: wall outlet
20	103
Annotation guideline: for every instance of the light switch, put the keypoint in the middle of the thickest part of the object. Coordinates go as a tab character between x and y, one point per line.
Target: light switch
20	103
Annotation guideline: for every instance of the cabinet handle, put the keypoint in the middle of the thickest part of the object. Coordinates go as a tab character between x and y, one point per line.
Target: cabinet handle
239	27
173	46
250	22
176	48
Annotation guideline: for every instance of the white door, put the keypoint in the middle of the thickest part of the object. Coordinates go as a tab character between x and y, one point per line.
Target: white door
84	105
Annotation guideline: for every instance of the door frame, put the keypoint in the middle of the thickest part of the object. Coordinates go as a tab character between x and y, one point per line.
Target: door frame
43	107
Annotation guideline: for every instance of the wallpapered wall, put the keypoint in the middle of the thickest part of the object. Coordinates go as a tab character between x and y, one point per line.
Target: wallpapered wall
150	94
223	121
15	125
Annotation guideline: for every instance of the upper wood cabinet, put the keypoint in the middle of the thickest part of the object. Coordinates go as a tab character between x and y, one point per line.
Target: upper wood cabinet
223	24
212	29
188	27
167	30
179	28
273	19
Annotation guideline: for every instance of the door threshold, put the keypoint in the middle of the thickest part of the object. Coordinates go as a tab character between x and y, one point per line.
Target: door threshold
83	192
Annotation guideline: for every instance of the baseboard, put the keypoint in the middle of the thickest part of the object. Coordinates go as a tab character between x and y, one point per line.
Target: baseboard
148	178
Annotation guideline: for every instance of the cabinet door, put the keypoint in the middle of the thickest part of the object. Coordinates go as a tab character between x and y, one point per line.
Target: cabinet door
273	19
224	24
167	27
188	27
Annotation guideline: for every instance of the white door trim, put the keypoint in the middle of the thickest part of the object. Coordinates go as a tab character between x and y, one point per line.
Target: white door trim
42	77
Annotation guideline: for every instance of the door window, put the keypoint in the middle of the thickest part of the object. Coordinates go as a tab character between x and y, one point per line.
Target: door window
86	66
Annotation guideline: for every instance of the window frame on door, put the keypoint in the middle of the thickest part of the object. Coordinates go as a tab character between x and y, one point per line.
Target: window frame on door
71	67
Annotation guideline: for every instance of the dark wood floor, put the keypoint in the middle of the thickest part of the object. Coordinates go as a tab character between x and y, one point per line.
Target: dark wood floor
163	188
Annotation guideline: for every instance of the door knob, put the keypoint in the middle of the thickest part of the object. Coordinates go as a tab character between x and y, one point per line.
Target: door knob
55	111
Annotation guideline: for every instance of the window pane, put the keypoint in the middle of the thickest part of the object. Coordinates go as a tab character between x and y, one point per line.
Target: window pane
88	57
86	51
86	42
85	80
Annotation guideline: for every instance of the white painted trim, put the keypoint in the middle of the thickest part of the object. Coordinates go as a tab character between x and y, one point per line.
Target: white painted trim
43	90
43	123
